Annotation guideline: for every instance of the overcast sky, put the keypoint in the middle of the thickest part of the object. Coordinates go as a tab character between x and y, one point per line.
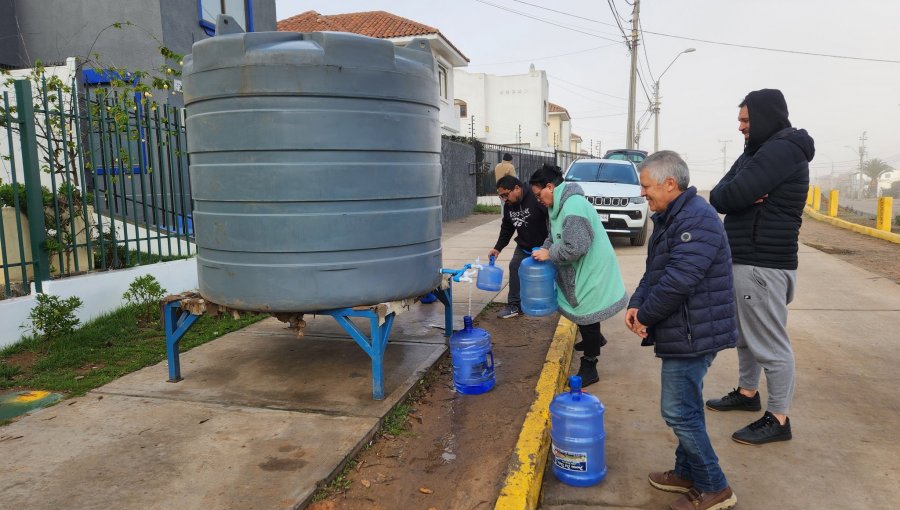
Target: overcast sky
587	64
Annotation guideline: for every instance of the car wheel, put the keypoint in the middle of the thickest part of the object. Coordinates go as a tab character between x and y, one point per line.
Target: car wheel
641	238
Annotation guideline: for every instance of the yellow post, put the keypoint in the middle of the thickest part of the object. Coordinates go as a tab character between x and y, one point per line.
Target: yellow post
817	198
809	195
833	203
885	211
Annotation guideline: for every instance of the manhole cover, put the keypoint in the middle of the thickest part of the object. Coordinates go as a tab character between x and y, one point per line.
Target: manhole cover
20	402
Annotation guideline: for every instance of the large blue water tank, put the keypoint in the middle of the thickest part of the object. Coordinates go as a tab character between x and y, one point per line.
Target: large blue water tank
315	169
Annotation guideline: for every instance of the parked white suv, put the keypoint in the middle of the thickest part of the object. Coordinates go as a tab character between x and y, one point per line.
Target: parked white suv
615	190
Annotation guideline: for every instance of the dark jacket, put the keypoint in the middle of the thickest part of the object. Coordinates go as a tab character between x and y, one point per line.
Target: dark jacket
686	296
765	234
528	217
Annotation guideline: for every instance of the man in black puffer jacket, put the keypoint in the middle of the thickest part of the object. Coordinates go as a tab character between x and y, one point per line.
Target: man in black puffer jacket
762	197
684	307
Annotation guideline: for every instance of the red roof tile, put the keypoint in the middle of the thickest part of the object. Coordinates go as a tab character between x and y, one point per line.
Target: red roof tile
380	24
555	108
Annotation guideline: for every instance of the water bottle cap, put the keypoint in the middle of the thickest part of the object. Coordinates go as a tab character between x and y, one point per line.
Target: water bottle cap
575	383
467	322
491	263
536	248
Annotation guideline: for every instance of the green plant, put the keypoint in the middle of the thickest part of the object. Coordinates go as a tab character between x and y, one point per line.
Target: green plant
897	220
7	372
53	317
144	294
487	209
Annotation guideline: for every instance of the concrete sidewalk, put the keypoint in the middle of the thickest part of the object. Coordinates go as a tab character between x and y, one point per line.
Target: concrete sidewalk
260	420
845	454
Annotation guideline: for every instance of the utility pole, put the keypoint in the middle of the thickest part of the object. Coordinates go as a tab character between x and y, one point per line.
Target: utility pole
724	155
632	87
655	108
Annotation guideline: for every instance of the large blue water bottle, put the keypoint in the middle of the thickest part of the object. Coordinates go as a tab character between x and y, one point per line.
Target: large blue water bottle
578	440
490	277
473	360
538	287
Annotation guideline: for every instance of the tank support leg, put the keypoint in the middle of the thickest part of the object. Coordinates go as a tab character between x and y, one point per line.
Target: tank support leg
177	322
374	346
445	296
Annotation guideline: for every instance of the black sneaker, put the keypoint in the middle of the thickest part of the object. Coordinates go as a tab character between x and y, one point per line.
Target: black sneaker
588	371
509	311
735	401
764	430
579	346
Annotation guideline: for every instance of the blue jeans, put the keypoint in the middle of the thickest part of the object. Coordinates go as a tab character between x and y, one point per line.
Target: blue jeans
681	404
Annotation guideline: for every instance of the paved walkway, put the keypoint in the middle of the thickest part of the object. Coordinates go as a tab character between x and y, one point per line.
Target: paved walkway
845	454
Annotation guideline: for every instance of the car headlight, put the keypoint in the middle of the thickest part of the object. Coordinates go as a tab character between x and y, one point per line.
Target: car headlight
637	200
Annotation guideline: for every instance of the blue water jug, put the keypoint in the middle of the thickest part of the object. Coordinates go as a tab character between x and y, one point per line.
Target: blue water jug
577	437
538	287
473	360
490	277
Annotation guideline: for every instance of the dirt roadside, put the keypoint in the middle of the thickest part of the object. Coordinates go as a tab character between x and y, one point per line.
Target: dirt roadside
869	253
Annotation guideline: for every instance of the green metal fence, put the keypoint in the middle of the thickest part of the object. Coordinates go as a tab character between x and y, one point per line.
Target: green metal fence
97	180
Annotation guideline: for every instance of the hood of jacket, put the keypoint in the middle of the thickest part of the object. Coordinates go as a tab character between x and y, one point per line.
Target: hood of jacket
561	194
768	115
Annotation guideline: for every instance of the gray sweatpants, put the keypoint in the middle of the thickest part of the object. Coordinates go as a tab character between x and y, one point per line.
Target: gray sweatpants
762	295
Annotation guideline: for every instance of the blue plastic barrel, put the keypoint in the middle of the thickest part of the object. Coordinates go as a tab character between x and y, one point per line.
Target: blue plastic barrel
490	277
538	287
578	439
473	360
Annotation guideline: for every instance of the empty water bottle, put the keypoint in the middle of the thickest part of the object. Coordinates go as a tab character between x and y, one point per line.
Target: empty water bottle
473	360
577	436
490	277
538	287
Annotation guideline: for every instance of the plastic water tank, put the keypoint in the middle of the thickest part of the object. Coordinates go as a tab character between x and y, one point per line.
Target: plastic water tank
577	436
315	169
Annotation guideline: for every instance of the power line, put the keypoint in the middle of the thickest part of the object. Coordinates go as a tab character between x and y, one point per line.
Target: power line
566	14
778	50
585	88
720	43
545	21
646	57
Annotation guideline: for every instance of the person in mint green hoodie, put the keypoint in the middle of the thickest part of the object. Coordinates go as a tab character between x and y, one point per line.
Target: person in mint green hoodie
589	286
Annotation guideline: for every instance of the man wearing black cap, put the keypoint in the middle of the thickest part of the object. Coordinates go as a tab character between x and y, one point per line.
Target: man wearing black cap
762	197
504	167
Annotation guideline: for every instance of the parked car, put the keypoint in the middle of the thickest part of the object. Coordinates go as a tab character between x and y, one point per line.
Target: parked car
613	187
633	155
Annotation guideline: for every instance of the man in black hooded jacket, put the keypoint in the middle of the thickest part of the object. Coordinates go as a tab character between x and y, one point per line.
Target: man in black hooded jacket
762	197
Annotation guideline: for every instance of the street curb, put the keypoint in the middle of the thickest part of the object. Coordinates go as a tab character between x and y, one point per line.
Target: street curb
869	231
521	489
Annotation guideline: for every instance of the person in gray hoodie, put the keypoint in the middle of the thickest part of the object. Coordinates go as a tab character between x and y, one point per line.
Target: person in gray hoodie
762	197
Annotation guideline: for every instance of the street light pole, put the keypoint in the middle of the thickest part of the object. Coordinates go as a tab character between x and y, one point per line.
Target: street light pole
632	85
656	100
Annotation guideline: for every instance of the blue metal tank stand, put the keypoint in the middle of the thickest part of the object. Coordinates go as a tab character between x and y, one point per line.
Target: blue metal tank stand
179	321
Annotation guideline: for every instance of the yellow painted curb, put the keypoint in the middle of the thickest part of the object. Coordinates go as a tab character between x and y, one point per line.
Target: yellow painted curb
869	231
522	488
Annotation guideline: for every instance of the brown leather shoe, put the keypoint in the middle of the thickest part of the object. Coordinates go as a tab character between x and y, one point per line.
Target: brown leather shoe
670	482
694	500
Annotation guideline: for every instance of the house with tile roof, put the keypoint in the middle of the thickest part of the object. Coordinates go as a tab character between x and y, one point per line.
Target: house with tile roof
399	30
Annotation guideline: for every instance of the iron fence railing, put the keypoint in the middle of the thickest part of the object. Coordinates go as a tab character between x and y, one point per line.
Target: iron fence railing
94	181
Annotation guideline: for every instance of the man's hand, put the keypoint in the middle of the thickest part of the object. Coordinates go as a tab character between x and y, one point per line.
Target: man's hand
493	253
541	255
761	199
632	323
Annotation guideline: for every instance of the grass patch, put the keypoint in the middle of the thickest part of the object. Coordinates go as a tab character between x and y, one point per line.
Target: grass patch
337	485
100	351
486	209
